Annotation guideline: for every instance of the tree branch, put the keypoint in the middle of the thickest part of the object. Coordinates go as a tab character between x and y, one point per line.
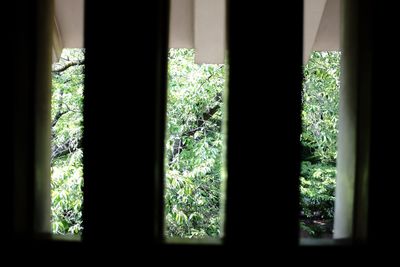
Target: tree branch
57	117
178	145
209	77
66	148
68	65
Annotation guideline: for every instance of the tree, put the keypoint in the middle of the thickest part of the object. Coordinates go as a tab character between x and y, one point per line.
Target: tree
193	146
66	132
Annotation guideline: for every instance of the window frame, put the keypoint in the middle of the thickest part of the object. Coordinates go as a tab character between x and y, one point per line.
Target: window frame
30	151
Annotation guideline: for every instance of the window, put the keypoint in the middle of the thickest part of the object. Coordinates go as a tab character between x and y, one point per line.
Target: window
352	146
194	130
66	148
320	115
124	114
68	57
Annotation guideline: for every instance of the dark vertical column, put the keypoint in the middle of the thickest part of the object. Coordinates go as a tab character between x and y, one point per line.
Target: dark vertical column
384	200
28	109
6	133
42	115
126	60
364	61
265	79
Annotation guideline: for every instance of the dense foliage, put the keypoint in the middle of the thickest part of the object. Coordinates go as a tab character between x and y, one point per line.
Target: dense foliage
193	146
318	138
66	131
194	143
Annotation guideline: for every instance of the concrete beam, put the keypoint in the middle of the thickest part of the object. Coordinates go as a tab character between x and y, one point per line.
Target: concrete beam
181	26
313	11
210	31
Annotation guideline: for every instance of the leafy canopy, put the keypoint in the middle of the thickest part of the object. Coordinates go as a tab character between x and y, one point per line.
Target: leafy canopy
320	99
193	146
66	132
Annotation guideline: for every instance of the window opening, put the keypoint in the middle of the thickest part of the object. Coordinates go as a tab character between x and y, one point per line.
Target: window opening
194	126
66	142
68	56
194	143
320	101
320	114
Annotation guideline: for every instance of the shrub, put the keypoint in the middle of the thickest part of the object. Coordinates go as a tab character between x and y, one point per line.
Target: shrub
317	190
